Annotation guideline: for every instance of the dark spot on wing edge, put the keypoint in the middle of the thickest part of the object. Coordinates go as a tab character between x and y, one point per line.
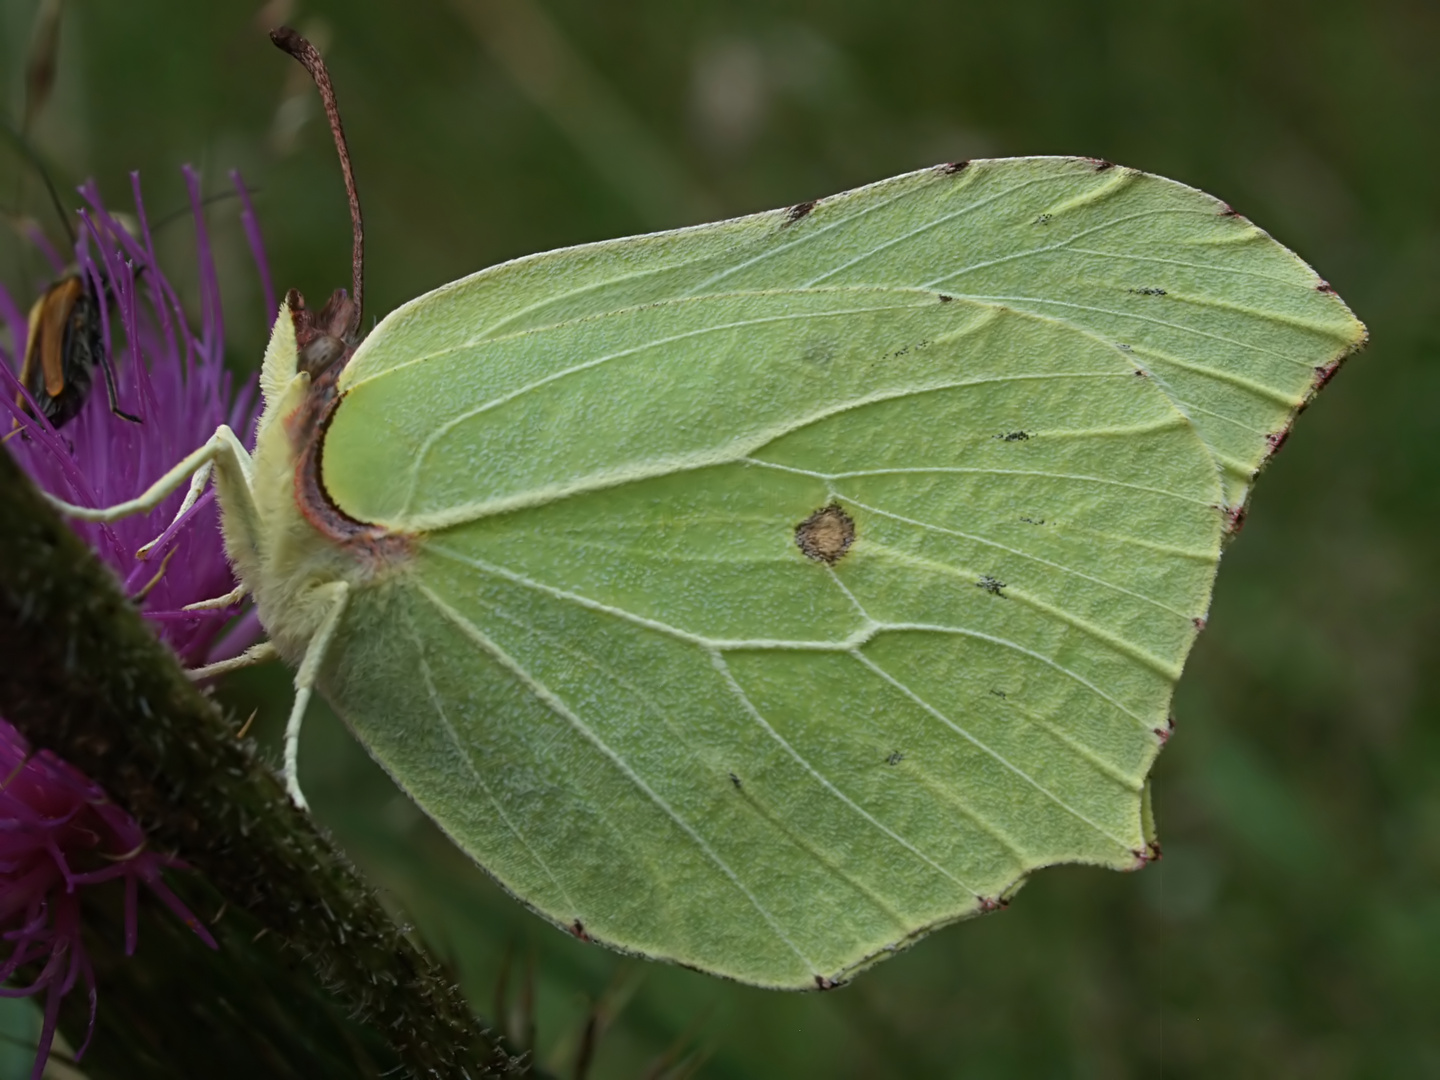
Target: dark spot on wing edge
950	168
1323	375
1150	853
1234	518
798	211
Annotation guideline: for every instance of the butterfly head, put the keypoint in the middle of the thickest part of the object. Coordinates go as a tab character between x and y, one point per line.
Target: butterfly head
325	338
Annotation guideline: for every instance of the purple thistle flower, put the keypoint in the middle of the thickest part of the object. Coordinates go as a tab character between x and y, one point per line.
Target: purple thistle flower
58	831
174	380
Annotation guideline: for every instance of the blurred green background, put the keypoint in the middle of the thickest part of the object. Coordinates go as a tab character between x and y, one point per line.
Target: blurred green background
1293	927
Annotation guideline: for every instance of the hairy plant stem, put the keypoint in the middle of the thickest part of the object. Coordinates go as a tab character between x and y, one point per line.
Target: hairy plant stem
82	675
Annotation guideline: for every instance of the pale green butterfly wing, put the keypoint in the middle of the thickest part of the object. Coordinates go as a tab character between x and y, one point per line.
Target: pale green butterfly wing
611	674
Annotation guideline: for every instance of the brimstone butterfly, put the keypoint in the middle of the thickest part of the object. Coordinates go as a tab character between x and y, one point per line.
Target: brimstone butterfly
762	595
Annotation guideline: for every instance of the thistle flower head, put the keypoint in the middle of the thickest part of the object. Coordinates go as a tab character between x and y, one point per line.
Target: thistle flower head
58	831
172	377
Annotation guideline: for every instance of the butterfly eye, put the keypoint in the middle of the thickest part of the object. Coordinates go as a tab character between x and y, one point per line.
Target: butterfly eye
320	353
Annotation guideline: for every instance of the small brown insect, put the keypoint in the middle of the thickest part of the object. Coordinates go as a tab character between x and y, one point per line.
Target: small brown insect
66	336
66	342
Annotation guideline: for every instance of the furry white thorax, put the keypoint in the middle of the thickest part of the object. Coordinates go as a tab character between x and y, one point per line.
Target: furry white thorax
279	556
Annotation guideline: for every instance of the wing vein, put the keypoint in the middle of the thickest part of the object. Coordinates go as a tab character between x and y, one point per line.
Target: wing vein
934	223
984	472
986	748
1150	660
1190	265
454	737
553	702
1004	643
1138	318
441	430
1059	245
821	230
824	781
698	640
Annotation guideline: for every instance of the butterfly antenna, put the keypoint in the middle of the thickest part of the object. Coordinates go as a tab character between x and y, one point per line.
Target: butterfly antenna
293	43
22	144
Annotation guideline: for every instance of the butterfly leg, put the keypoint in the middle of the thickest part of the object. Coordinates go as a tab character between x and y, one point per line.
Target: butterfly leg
256	654
222	451
219	603
336	593
198	481
224	457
